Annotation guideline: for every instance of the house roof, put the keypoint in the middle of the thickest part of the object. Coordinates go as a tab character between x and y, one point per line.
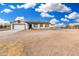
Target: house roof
34	22
38	22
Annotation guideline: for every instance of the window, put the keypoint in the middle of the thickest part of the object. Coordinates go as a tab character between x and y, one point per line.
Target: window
46	25
41	25
35	25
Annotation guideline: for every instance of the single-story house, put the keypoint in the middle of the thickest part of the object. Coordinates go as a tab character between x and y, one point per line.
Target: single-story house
24	25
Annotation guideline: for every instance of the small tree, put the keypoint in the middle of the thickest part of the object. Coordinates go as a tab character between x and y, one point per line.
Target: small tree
1	26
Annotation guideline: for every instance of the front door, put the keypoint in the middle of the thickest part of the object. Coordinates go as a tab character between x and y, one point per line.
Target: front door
30	26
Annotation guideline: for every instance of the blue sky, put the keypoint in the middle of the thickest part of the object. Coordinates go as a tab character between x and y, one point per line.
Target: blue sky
65	13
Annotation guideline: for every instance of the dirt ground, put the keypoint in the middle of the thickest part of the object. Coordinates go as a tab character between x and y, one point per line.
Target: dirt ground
63	42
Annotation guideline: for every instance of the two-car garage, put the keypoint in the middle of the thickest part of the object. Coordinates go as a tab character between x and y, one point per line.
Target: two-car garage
19	26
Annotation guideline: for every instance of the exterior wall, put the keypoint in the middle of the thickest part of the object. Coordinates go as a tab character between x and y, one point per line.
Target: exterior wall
32	26
38	26
11	26
35	26
43	25
27	26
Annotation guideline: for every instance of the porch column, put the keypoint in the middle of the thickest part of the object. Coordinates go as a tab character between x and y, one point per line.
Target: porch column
11	27
38	26
43	25
26	26
33	26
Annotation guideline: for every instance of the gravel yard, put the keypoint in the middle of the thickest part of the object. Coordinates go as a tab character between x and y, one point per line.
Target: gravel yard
63	42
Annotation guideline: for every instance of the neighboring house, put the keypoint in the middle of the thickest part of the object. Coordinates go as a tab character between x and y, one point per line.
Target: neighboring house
23	25
72	27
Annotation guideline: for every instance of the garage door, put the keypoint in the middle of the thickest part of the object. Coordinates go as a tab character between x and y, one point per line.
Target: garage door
19	27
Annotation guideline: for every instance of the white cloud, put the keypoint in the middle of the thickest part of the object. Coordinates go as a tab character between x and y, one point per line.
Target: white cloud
19	18
46	15
60	25
77	20
73	15
48	7
18	6
12	7
2	4
53	21
66	16
64	20
6	11
71	24
2	21
27	5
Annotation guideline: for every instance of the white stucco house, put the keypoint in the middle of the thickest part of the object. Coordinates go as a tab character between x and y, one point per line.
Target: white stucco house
21	24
